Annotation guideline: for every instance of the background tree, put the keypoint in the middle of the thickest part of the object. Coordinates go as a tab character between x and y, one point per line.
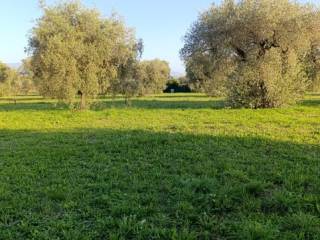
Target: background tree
252	51
14	83
127	83
4	72
74	50
26	76
312	68
153	76
10	82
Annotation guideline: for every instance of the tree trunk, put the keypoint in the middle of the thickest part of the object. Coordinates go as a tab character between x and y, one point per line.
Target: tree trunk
83	101
14	100
127	101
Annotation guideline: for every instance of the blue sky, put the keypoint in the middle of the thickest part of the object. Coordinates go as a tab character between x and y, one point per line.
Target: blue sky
160	23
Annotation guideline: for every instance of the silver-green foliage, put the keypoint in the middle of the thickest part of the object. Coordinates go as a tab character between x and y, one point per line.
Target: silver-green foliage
252	51
10	81
77	51
152	76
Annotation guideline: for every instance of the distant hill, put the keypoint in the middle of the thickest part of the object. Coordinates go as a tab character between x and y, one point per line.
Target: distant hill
14	65
177	74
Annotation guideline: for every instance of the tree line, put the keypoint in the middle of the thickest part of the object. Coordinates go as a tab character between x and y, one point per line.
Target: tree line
256	53
75	51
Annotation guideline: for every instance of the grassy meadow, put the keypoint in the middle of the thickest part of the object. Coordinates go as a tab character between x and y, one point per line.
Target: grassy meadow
169	167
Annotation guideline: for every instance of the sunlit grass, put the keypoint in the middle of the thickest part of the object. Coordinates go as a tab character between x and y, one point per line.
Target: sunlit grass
169	167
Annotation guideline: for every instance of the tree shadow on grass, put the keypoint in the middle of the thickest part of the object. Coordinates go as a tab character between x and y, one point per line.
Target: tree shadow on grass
100	184
313	100
26	106
157	103
310	102
118	103
21	98
165	104
181	95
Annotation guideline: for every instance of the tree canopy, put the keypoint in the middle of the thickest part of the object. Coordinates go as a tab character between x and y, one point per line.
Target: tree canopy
10	81
74	50
3	72
252	51
153	76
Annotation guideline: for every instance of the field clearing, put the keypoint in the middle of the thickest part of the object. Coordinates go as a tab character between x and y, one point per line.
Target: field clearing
169	167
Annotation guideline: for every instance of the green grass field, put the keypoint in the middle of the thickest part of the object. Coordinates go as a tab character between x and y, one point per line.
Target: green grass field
170	167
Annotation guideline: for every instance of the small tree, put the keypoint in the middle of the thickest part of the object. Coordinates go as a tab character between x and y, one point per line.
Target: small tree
26	77
10	82
126	87
127	83
153	76
14	81
4	72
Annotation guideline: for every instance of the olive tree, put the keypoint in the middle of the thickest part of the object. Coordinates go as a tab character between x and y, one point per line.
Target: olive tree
76	51
126	83
26	78
15	84
153	76
10	82
4	69
252	51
